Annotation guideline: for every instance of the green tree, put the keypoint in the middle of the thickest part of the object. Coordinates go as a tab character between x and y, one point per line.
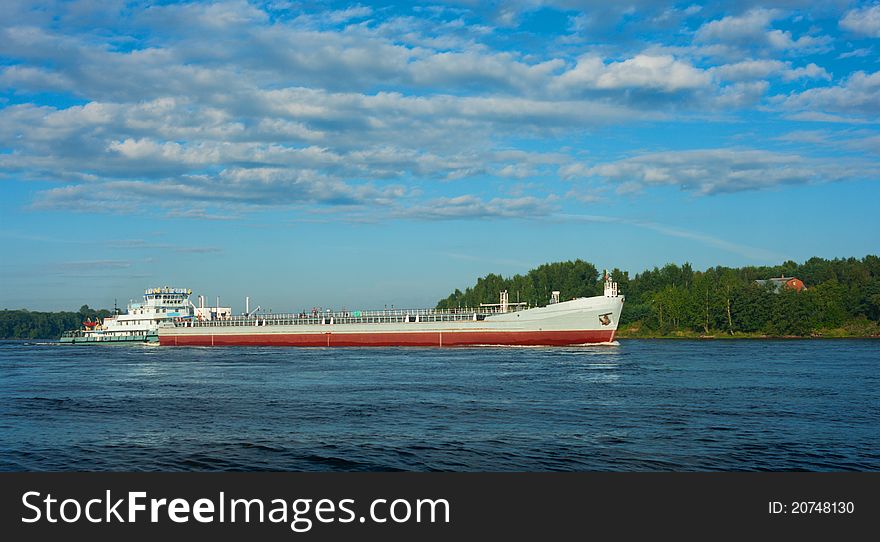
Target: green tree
677	298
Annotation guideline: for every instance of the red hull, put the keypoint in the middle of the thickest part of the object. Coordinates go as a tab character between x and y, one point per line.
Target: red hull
446	338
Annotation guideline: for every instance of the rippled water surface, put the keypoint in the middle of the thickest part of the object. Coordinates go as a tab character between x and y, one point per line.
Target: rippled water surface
641	405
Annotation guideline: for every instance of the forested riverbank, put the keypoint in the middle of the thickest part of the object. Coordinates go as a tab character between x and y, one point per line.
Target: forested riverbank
25	324
840	298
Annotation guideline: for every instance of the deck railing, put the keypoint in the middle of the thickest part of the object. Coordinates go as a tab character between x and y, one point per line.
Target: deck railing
350	317
77	334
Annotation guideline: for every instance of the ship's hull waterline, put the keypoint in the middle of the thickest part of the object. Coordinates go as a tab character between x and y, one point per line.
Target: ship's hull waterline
378	338
579	321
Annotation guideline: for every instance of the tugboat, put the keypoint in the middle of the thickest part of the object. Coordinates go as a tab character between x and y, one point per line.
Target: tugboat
140	323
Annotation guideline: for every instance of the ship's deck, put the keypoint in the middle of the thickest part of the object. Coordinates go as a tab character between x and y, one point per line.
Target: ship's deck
389	316
80	337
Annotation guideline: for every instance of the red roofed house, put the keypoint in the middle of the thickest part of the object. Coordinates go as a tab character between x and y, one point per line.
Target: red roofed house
783	282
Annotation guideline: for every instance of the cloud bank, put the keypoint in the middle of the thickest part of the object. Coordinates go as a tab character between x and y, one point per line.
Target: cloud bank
211	110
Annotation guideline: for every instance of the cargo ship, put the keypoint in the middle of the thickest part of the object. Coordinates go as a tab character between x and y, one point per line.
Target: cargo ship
585	320
140	323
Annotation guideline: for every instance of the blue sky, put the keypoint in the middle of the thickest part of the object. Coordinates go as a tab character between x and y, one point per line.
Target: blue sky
363	154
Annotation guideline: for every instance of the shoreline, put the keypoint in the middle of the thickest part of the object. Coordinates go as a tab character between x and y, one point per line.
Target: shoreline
736	337
742	338
626	337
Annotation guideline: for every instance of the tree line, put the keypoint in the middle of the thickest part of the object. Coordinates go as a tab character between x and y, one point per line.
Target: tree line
840	294
25	324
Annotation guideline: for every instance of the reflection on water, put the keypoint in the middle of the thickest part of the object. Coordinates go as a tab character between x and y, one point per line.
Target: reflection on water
637	405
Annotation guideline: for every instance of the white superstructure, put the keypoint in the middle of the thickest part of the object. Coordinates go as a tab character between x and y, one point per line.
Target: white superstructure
141	320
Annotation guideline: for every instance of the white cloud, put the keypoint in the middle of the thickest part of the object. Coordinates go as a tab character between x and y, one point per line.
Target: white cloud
653	72
864	21
32	77
782	40
749	69
663	72
231	187
433	33
222	15
481	70
752	31
857	53
858	94
517	171
741	29
741	95
810	71
717	171
855	141
814	116
348	134
145	149
348	14
470	206
766	68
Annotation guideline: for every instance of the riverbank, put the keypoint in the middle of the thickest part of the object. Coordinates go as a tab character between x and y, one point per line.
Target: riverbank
859	329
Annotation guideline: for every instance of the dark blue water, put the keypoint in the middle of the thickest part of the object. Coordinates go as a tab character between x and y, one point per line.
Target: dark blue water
642	405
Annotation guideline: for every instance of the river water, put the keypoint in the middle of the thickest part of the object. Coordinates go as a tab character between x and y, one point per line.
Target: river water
643	405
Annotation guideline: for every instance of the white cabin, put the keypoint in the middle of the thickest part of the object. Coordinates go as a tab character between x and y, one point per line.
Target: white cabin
159	305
